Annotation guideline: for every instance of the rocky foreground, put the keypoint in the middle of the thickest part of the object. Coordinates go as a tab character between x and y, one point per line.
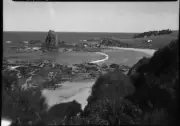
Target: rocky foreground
23	79
44	71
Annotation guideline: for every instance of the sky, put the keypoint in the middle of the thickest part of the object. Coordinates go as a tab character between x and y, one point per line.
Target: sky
90	16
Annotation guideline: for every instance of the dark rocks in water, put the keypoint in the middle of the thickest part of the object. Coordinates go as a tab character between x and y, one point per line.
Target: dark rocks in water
113	42
114	66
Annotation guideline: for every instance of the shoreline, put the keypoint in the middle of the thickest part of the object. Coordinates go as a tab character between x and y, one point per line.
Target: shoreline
81	95
147	51
102	60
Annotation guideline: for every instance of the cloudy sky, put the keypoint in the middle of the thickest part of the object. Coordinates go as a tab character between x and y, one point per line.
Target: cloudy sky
90	16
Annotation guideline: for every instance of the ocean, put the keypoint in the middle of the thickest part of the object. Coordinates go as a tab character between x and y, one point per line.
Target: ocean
70	37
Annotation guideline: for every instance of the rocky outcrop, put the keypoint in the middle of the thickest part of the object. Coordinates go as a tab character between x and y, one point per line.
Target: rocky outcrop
51	41
153	33
112	42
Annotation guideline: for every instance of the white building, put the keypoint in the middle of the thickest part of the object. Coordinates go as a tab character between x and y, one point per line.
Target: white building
8	42
36	48
149	41
26	42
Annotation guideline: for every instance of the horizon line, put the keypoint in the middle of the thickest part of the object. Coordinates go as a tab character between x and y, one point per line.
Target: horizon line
73	31
89	31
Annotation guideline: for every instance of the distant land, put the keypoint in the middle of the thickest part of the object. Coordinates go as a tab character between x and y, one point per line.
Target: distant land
75	37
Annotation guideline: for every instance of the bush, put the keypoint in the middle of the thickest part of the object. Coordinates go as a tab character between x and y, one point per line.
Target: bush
113	84
156	81
154	100
157	117
26	105
154	33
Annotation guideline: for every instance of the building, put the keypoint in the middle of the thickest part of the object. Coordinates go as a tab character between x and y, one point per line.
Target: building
36	48
149	41
25	42
8	42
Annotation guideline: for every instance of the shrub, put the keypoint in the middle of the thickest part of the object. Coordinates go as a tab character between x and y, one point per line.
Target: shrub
156	80
27	105
157	117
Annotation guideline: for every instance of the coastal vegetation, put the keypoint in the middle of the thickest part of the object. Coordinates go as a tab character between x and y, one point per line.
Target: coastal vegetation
143	93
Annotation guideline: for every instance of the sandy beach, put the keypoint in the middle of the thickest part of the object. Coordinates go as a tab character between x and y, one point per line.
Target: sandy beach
79	90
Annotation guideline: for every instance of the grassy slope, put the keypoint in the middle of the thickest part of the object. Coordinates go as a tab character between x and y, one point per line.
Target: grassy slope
157	41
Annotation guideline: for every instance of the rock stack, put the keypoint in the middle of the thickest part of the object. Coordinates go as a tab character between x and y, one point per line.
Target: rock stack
51	41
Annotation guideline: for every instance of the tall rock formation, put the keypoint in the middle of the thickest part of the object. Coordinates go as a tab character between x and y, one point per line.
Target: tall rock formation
51	40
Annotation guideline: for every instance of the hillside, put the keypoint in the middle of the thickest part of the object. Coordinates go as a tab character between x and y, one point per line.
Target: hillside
157	41
149	95
153	33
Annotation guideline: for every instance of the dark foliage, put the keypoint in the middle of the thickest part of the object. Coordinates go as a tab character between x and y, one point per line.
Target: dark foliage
23	106
154	100
111	85
114	66
35	42
156	80
59	111
112	42
155	33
